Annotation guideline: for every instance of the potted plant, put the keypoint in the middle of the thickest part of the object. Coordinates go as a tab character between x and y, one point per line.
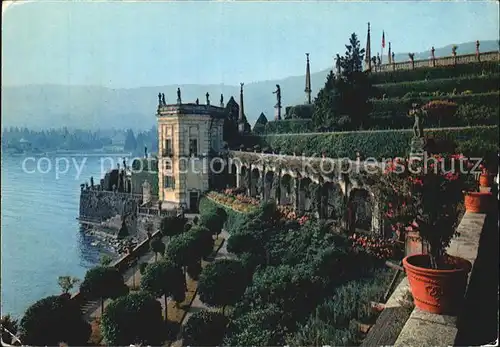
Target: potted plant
425	197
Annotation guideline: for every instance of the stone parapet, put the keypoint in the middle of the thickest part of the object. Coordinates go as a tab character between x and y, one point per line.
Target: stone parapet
443	61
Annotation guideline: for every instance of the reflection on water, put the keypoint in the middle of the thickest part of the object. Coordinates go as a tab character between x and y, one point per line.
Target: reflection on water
41	238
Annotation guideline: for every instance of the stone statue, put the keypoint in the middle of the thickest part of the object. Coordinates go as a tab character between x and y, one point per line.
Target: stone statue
159	99
418	127
337	64
379	62
145	151
278	95
163	99
179	100
208	98
92	181
221	100
393	58
433	50
197	101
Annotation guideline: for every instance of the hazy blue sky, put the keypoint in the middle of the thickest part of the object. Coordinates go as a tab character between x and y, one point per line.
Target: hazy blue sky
131	44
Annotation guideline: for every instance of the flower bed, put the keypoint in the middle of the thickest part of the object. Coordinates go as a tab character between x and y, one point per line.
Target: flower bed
381	248
288	213
239	202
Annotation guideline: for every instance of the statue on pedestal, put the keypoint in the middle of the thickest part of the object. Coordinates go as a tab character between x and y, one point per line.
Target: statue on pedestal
159	99
337	64
179	100
278	95
163	99
418	126
92	181
197	101
208	98
221	100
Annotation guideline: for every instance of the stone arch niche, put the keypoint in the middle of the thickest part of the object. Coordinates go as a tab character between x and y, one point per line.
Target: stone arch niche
232	179
332	201
268	186
360	210
305	195
244	177
255	186
286	190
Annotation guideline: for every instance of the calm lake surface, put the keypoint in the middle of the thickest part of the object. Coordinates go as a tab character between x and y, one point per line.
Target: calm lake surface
40	236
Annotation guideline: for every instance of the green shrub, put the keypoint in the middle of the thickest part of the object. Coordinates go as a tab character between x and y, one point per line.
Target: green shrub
377	144
233	218
475	84
400	106
134	318
431	73
287	126
299	112
204	328
52	320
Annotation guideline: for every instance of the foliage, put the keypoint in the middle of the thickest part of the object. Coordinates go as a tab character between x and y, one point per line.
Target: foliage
345	95
10	324
183	249
52	320
377	144
233	217
134	318
222	282
213	221
103	282
474	83
67	283
316	332
259	327
298	112
287	126
400	106
130	141
171	226
164	278
157	246
438	72
204	328
106	260
425	197
142	267
477	115
442	110
204	243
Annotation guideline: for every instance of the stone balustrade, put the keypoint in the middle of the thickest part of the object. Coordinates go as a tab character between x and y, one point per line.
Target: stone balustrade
442	61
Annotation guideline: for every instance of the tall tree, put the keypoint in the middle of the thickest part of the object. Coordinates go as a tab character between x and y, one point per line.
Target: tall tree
103	282
343	103
166	279
130	141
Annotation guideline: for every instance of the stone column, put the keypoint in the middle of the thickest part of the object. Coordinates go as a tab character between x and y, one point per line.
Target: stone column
296	192
277	192
238	176
249	181
376	217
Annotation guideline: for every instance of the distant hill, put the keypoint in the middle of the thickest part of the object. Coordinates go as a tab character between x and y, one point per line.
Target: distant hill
93	107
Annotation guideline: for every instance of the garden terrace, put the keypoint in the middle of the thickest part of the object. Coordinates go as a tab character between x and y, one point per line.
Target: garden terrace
472	141
310	185
478	322
451	61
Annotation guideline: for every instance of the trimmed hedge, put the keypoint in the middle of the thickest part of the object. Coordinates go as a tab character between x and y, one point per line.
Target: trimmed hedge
286	126
233	218
474	84
379	144
402	105
430	73
299	112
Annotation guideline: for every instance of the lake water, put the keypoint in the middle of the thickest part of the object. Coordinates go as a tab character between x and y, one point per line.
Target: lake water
41	238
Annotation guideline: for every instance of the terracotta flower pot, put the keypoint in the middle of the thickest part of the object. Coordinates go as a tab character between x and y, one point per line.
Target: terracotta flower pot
437	291
485	180
477	202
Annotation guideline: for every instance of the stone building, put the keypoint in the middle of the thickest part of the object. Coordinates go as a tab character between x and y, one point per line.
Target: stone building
189	134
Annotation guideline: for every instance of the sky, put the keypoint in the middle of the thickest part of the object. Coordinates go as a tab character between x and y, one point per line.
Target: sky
119	44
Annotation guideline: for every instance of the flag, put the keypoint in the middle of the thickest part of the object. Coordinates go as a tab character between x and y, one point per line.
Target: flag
383	39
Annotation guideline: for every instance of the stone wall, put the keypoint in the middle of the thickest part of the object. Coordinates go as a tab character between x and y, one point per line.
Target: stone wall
99	206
